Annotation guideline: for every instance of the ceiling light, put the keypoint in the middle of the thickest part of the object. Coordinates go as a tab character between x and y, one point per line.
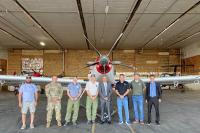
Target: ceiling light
106	9
42	44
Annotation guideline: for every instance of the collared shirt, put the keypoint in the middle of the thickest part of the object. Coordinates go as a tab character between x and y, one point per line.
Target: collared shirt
92	87
152	89
105	87
74	89
122	87
28	91
138	87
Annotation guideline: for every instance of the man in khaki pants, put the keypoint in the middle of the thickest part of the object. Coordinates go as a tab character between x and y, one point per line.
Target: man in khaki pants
73	91
92	100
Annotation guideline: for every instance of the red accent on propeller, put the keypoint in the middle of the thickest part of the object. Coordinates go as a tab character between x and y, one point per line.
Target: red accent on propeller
100	67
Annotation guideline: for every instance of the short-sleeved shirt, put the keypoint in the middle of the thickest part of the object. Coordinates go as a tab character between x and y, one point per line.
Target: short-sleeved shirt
74	89
138	87
28	91
122	87
92	87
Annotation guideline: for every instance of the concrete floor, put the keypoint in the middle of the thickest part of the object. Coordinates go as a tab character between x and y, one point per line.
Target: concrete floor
180	113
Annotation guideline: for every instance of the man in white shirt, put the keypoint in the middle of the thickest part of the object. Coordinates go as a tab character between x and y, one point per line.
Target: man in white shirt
92	100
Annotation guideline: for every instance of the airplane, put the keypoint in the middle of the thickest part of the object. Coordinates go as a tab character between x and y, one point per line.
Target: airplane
102	66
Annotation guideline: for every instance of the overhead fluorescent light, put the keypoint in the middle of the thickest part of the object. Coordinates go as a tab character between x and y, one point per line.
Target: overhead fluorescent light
152	62
163	53
42	44
106	9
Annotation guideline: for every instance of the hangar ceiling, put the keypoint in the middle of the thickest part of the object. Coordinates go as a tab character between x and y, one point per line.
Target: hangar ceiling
25	23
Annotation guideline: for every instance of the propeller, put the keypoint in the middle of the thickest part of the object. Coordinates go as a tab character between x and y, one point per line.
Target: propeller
98	52
119	37
122	64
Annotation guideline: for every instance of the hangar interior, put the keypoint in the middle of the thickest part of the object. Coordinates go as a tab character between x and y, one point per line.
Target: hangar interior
150	41
47	36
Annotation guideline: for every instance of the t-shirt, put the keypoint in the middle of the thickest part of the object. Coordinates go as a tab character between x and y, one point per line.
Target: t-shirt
92	87
138	87
74	89
122	87
28	91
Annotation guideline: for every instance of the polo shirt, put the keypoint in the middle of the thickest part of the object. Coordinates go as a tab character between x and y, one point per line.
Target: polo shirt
138	87
74	89
122	87
28	91
92	87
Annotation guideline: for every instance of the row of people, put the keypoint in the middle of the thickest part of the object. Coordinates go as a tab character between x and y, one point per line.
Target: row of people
28	98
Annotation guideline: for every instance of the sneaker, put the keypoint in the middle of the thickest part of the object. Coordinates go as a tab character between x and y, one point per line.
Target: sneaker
74	123
59	124
121	122
31	126
158	123
93	122
148	123
48	125
135	122
128	123
66	124
23	127
89	122
142	122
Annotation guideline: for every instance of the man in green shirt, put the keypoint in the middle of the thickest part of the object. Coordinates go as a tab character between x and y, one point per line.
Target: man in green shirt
138	87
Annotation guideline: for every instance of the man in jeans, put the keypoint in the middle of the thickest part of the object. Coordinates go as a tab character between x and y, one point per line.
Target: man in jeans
28	97
92	100
138	87
73	91
122	89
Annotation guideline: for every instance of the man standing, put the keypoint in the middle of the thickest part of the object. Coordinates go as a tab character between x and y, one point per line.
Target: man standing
73	91
54	92
122	89
153	97
28	97
138	87
92	100
105	92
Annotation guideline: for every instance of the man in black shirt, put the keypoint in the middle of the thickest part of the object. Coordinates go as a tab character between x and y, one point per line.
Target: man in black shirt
122	89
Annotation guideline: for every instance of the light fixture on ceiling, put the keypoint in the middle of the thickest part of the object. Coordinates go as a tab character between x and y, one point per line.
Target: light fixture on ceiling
106	9
42	44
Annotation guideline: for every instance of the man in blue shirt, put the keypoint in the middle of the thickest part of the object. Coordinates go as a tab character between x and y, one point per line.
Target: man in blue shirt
27	101
73	91
153	97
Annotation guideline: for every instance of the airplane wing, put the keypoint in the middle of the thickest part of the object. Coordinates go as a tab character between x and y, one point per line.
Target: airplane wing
16	80
175	80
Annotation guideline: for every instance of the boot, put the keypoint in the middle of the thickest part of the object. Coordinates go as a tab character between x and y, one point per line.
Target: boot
59	124
48	124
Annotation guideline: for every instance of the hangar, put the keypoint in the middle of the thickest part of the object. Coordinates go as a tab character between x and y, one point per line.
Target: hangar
64	38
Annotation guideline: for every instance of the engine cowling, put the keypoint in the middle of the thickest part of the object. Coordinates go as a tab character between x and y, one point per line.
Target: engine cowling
101	69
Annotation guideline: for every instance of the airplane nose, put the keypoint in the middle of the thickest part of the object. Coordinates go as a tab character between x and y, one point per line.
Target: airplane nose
104	60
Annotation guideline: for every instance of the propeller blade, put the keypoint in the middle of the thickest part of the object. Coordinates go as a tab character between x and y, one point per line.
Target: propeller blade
122	64
87	65
98	52
116	62
119	37
177	65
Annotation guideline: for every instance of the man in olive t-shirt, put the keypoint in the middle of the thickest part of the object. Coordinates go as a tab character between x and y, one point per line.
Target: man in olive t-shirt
138	87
